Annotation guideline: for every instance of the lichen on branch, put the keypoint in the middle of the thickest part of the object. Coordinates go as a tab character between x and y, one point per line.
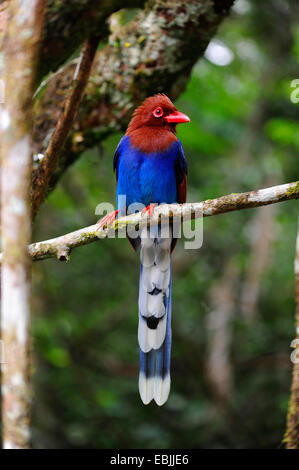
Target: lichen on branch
68	24
153	53
40	179
61	247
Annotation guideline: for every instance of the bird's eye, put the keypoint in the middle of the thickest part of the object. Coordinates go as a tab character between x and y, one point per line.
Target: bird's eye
158	112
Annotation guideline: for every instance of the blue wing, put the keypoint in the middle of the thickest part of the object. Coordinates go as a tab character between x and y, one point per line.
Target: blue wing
116	156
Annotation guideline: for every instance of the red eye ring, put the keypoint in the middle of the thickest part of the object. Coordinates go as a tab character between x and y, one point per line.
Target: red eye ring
158	112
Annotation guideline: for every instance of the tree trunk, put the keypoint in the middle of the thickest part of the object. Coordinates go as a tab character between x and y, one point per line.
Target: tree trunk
21	49
261	237
219	322
291	438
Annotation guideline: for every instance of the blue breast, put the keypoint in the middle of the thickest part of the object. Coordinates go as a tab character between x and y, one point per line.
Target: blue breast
146	178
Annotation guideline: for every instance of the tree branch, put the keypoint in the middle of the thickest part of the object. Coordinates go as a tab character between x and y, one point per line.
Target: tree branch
61	247
153	53
63	34
41	178
68	24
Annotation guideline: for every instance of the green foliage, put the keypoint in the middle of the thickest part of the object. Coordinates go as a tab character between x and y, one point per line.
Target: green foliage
243	135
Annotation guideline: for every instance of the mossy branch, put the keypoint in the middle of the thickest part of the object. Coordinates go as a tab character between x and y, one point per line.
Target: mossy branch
62	246
47	166
68	24
155	52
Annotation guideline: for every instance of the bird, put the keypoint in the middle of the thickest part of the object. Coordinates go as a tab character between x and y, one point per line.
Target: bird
151	169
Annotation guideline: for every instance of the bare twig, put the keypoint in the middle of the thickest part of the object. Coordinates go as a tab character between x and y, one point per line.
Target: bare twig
61	247
48	165
21	52
291	438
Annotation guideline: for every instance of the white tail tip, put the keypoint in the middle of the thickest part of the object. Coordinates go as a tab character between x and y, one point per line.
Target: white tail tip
162	389
146	388
154	388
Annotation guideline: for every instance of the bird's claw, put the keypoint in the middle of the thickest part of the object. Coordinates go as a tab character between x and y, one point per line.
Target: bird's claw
149	209
108	219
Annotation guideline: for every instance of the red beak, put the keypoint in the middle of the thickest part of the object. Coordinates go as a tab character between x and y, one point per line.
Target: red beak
177	117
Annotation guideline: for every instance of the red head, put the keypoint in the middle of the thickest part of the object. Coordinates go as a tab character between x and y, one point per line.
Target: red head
153	124
157	111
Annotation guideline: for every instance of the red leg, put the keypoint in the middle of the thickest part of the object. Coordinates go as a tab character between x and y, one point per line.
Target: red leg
108	219
149	209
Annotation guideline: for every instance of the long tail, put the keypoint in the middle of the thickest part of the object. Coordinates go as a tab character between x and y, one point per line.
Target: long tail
154	330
